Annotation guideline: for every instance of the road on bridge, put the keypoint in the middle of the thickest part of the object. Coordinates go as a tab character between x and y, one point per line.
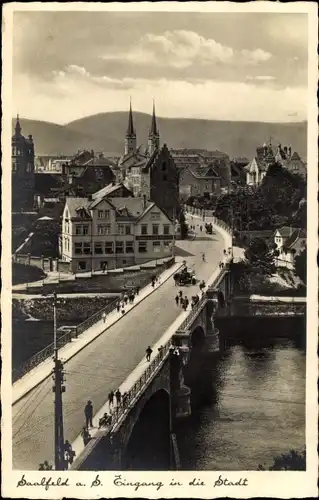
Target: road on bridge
106	362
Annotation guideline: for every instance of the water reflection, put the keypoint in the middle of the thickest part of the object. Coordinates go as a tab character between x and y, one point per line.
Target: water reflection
258	409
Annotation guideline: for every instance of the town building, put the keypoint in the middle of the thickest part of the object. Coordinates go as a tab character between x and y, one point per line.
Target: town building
218	160
238	174
103	231
289	242
22	170
258	166
198	181
291	161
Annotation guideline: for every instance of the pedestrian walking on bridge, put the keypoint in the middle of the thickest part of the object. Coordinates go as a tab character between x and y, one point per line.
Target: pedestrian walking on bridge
88	412
104	316
177	299
110	398
148	353
118	397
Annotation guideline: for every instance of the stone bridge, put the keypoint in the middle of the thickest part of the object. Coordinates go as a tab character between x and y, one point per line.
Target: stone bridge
164	393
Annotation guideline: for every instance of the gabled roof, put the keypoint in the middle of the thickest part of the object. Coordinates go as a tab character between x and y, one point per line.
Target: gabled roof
203	172
75	204
286	231
108	190
130	207
294	241
295	156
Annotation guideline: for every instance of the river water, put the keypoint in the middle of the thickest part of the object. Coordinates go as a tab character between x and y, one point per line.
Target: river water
257	412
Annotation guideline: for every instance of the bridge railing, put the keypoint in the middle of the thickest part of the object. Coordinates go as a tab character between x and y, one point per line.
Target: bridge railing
48	351
130	396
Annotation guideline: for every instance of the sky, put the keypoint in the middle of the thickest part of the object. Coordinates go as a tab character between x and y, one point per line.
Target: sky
220	66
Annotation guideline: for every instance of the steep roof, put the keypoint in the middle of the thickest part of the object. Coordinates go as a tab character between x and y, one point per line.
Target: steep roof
133	207
130	127
75	204
295	240
203	172
107	190
295	156
286	231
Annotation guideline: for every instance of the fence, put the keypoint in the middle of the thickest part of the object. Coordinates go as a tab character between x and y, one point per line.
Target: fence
41	356
129	398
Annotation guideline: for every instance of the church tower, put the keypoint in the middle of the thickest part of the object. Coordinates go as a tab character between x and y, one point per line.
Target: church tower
130	137
22	170
153	136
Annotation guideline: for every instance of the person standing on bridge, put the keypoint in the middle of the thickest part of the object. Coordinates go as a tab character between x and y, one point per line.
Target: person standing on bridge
203	257
118	397
88	412
104	316
118	306
110	398
177	300
148	353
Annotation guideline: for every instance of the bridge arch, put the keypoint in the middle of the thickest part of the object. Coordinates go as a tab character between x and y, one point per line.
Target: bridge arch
198	337
148	446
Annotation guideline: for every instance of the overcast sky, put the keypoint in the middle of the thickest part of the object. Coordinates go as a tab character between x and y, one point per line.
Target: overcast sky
226	66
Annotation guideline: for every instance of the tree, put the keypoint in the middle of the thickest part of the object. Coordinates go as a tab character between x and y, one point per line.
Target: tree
183	225
293	460
260	257
301	266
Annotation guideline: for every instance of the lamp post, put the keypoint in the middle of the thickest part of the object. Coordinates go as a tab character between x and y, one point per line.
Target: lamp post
58	389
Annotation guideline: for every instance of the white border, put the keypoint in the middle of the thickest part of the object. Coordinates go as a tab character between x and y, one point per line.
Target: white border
261	484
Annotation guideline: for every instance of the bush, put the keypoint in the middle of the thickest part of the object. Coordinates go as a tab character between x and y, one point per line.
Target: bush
293	460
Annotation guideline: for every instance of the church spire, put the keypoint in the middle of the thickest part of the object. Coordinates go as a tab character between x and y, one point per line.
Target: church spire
18	126
153	130
153	136
130	137
130	126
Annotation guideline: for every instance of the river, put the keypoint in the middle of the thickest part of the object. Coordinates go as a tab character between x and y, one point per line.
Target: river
257	411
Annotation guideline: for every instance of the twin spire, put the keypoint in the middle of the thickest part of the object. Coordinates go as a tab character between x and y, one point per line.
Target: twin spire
130	127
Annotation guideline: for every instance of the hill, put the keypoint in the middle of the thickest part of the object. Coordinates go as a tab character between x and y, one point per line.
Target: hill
105	131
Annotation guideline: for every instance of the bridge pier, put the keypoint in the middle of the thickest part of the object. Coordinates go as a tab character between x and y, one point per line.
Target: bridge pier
180	393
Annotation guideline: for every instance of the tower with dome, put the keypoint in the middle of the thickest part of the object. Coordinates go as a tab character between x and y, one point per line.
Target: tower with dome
22	154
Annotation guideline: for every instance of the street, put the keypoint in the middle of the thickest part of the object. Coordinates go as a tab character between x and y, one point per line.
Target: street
105	363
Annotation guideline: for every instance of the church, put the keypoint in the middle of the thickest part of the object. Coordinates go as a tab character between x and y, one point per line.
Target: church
150	171
22	170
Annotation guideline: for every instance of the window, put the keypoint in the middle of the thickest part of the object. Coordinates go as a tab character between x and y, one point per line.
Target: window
129	247
66	227
167	245
166	229
142	246
156	246
86	248
120	228
82	265
103	229
85	228
107	214
78	230
109	247
155	215
119	247
98	247
127	229
100	214
155	229
144	229
14	166
29	167
78	248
